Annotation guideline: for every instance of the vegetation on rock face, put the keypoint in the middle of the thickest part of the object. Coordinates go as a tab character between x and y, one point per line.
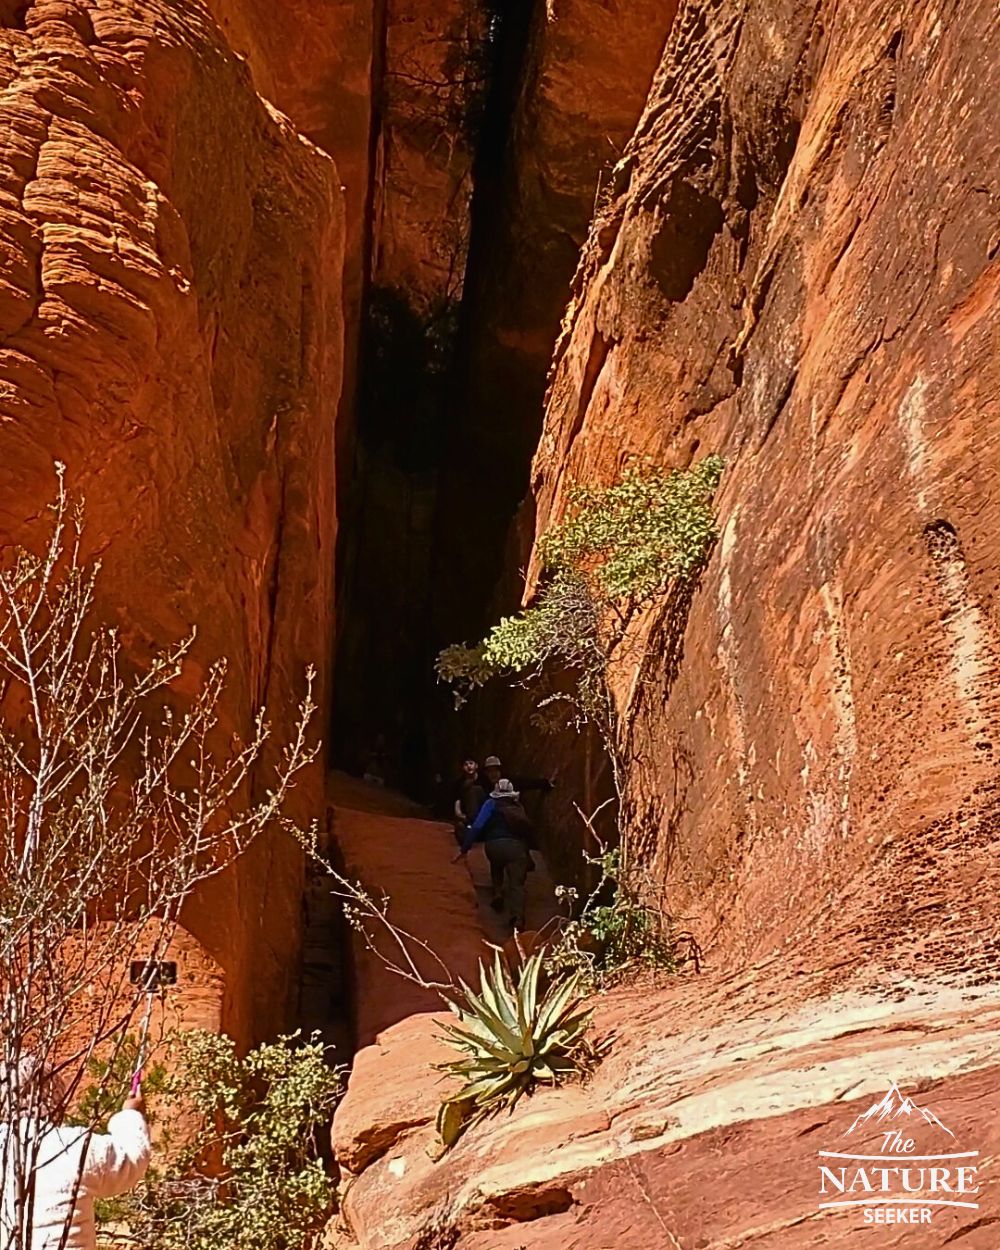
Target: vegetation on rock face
618	547
613	930
251	1179
512	1038
640	542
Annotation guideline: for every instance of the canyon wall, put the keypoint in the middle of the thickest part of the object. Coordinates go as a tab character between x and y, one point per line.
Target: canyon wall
797	268
427	104
319	63
171	328
567	96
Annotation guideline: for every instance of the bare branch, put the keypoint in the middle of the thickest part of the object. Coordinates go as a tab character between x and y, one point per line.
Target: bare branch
115	804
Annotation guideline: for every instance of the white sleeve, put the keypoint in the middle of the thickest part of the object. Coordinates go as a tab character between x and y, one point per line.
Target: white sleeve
118	1159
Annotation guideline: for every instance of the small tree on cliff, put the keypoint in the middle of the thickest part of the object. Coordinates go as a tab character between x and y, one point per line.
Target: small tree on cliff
114	805
618	550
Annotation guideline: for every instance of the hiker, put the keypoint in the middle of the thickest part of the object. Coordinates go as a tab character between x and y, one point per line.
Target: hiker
470	795
67	1172
492	767
506	832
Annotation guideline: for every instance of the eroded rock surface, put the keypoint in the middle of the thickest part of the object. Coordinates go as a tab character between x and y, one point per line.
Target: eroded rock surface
798	270
318	63
171	328
701	1129
796	267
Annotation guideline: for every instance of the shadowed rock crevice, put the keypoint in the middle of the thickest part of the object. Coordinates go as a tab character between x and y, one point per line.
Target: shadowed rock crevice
526	1205
553	98
689	221
433	119
14	14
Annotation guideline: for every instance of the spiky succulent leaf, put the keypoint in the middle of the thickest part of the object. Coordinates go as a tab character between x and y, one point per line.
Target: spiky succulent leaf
452	1117
527	992
510	1040
477	1013
559	999
478	1045
498	992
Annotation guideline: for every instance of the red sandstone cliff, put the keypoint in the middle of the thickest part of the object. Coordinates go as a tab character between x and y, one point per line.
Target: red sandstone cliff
794	263
796	266
798	269
171	328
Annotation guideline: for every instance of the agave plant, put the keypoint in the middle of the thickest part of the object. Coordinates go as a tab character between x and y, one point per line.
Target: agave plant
511	1040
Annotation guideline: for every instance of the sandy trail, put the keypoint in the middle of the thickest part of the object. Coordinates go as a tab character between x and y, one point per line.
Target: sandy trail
388	844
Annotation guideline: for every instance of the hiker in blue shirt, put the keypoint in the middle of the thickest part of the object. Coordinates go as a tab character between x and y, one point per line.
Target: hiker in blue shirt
503	827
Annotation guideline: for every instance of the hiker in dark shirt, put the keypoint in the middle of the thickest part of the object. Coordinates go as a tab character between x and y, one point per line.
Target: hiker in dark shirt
504	829
468	797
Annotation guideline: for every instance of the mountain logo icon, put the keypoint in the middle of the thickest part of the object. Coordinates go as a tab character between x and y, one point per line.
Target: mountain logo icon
896	1106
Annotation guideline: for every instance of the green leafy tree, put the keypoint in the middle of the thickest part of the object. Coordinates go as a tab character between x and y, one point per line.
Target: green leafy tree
252	1177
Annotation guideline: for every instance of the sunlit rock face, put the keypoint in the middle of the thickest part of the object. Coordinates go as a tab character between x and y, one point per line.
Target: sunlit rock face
171	326
791	260
796	268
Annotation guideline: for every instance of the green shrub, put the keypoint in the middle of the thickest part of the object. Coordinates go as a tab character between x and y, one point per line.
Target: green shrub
618	547
613	931
251	1178
635	536
512	1038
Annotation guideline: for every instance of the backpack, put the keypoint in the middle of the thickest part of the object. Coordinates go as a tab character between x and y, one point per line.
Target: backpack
516	819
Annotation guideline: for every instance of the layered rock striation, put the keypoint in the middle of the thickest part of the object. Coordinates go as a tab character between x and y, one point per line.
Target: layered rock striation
171	328
797	268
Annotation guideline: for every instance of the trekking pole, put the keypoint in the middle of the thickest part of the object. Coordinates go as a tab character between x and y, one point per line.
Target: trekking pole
151	977
140	1058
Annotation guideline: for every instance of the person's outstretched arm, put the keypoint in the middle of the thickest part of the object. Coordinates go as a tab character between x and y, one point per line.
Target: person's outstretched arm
544	784
117	1160
477	826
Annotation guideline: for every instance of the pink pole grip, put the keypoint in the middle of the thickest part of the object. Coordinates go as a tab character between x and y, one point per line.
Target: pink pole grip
136	1083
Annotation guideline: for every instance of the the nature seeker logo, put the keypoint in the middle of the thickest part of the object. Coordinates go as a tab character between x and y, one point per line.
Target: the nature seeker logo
904	1165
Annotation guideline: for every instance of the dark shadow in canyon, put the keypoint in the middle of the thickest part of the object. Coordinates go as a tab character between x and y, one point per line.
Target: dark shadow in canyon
407	581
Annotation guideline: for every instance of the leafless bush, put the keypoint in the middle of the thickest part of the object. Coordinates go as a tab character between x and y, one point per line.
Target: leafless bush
115	804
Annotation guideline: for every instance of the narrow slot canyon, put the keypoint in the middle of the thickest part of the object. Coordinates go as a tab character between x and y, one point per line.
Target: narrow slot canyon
473	241
335	313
